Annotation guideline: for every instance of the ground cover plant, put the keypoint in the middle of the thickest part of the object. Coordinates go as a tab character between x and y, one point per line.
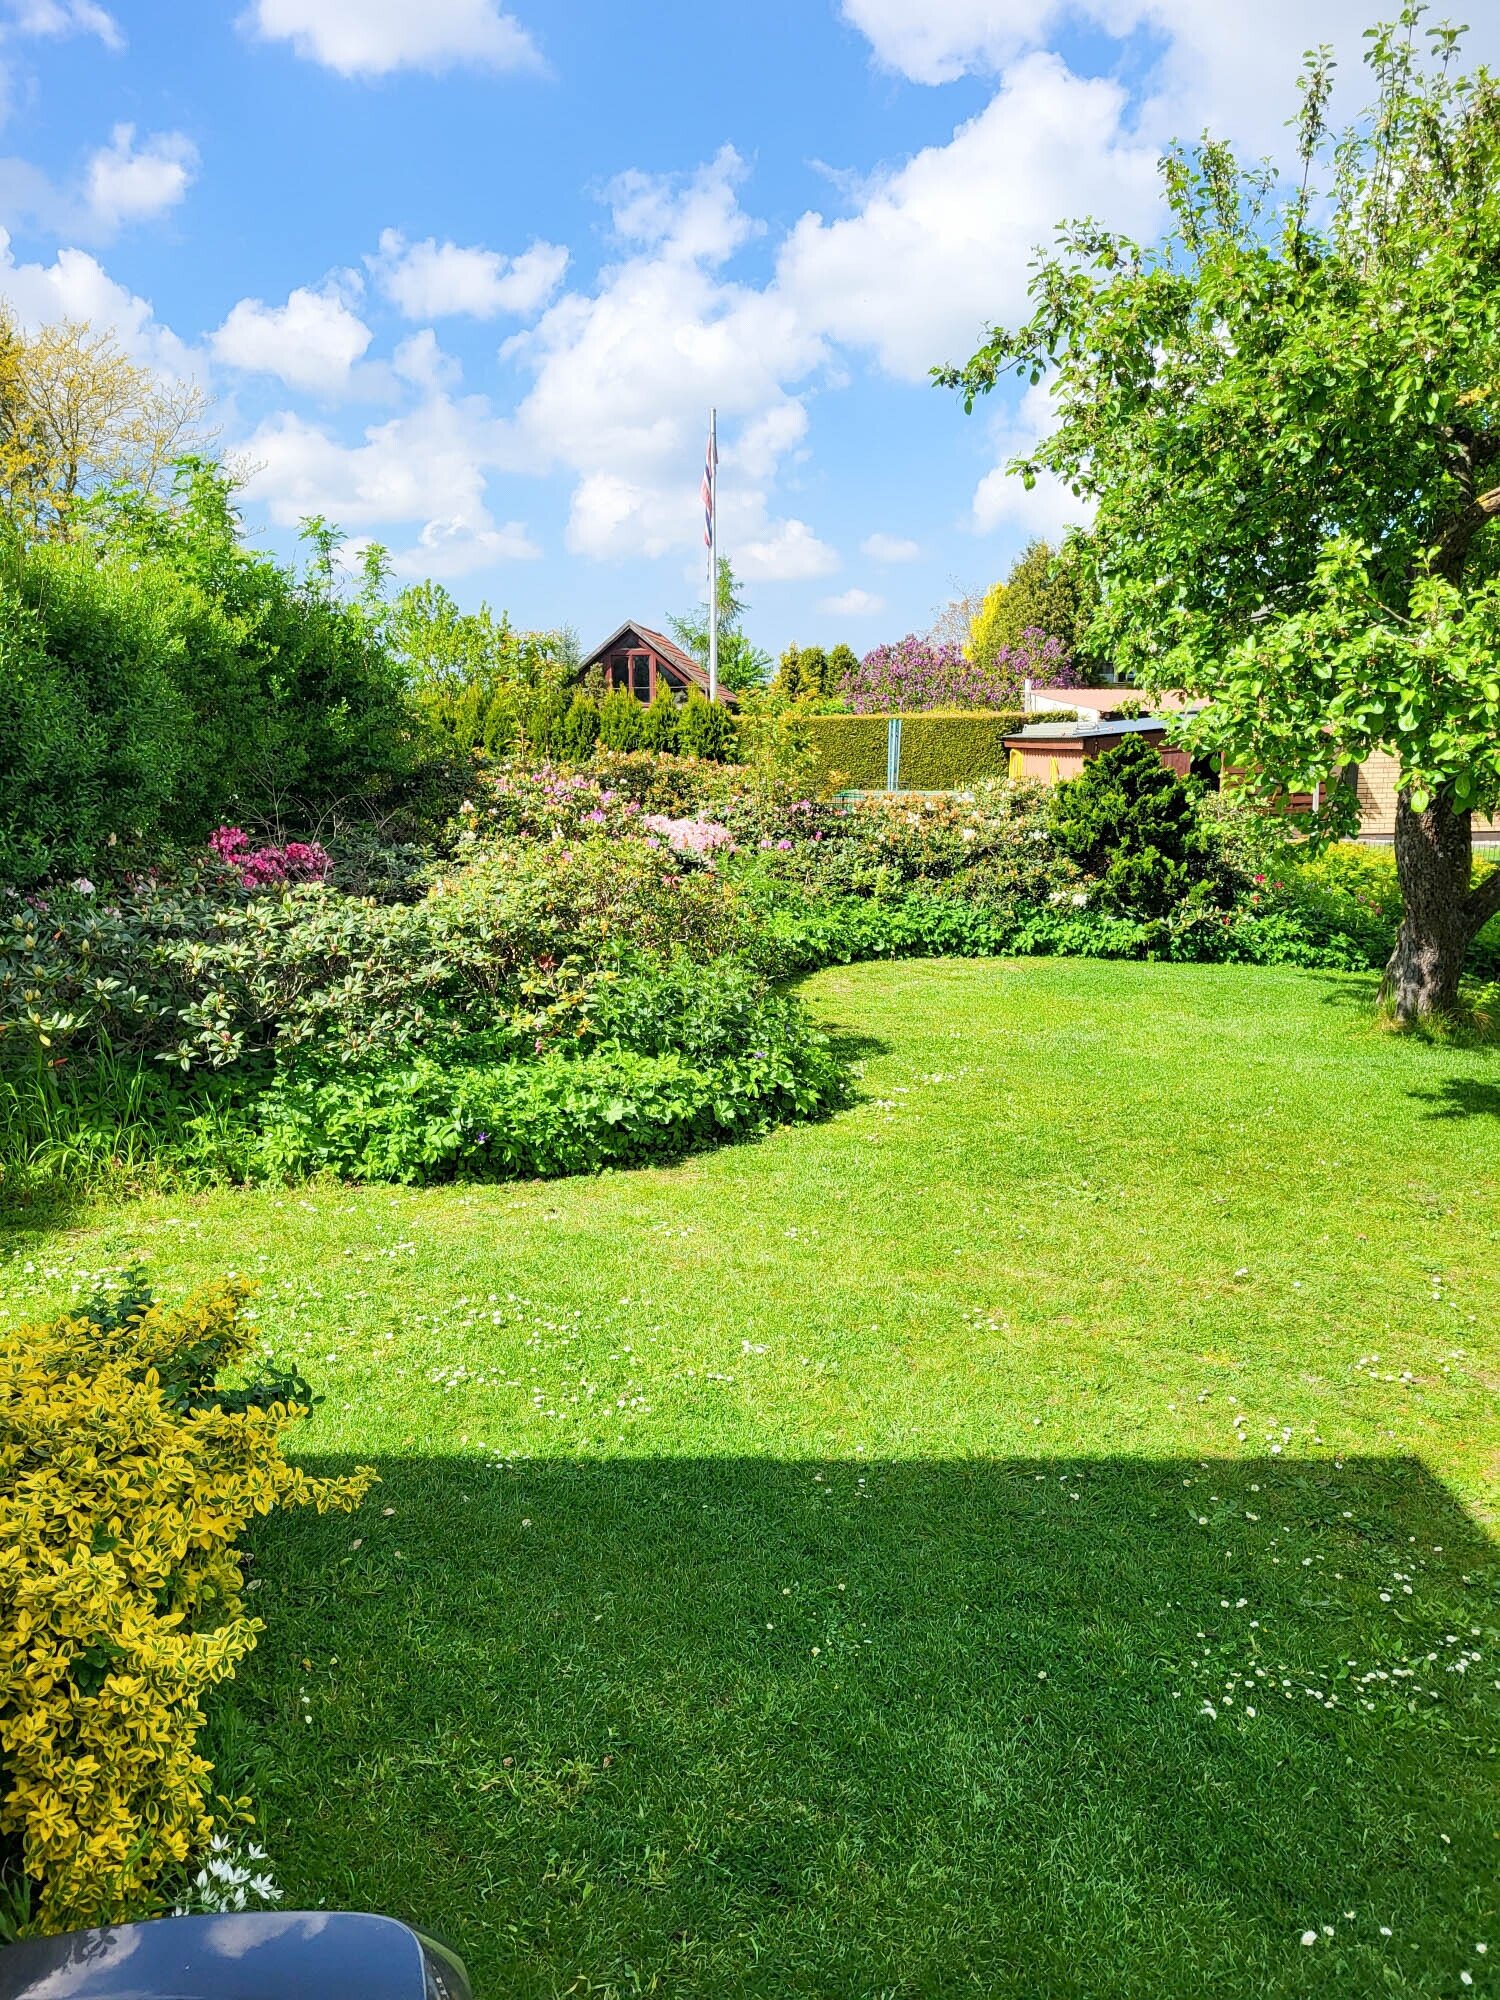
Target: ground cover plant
1031	1533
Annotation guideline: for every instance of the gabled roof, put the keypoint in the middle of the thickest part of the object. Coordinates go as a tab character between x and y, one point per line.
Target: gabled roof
667	649
659	643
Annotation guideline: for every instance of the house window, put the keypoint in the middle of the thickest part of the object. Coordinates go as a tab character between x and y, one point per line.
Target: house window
640	676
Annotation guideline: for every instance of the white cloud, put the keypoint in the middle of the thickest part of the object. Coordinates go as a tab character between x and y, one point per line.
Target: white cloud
934	41
312	342
623	378
374	37
942	245
64	17
121	183
76	286
852	604
889	548
425	469
429	280
1001	499
1230	67
130	183
454	547
421	361
789	553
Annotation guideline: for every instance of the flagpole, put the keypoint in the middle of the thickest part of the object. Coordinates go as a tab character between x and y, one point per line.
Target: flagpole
713	555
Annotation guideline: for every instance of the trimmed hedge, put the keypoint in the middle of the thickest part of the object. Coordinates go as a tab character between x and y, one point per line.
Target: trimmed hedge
941	750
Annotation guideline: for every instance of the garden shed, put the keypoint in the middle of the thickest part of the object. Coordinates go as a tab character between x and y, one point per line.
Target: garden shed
1049	753
641	661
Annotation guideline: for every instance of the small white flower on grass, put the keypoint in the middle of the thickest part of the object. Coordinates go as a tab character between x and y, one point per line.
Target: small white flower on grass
1309	1937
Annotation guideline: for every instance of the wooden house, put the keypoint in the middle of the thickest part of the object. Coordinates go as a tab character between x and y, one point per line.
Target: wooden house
642	661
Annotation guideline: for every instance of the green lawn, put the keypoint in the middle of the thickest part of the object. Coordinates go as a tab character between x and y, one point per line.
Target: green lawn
1029	1535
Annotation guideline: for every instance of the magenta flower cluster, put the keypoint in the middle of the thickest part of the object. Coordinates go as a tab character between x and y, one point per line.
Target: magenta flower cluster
914	674
270	867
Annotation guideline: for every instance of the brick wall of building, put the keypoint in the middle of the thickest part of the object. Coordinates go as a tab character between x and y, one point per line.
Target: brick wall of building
1375	785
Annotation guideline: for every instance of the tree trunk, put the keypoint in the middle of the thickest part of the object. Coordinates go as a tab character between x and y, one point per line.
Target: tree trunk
1434	857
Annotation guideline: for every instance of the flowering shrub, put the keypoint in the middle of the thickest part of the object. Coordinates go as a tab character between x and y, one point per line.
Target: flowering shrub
125	1482
270	867
177	1022
690	836
176	975
916	674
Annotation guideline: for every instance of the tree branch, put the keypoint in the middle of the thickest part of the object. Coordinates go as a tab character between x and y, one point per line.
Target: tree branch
1453	546
1483	903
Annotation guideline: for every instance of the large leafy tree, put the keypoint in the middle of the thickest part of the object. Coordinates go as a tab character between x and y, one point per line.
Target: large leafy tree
1287	414
1048	590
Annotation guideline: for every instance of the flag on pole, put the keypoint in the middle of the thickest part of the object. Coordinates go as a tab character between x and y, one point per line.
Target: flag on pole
710	465
711	537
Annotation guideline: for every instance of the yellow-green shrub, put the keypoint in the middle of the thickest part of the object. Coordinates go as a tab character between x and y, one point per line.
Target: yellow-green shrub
124	1485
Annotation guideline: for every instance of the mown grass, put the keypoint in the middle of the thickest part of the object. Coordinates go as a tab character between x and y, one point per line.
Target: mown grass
847	1564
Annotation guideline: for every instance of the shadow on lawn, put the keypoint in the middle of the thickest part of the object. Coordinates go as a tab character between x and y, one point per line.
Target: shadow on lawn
852	1045
849	1727
1461	1097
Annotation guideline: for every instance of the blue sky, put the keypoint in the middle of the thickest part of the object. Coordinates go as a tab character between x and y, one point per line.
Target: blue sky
466	279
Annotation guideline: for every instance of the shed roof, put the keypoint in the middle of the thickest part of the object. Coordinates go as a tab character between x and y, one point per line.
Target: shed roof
1044	731
667	649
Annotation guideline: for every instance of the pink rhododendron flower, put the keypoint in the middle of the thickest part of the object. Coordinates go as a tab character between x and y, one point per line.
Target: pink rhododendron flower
270	867
689	836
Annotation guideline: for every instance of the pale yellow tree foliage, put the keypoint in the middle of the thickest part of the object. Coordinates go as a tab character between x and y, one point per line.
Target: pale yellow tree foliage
983	638
76	413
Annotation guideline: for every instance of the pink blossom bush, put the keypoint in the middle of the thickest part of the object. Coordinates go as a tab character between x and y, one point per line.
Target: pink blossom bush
915	674
270	867
690	836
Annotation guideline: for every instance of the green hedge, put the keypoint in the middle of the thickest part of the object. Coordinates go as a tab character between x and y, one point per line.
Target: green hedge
941	751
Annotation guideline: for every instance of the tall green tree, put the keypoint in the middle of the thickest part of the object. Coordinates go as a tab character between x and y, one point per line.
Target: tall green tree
741	664
1048	590
1287	414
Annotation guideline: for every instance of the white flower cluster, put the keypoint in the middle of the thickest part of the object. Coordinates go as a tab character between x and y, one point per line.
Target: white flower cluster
232	1878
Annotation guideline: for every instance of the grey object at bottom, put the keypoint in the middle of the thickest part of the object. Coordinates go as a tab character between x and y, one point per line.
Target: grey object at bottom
292	1955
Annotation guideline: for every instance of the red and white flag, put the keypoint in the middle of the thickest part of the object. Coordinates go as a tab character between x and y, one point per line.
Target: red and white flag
710	465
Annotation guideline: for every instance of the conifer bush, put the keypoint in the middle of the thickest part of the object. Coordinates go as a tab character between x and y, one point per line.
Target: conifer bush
1132	825
659	724
620	721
